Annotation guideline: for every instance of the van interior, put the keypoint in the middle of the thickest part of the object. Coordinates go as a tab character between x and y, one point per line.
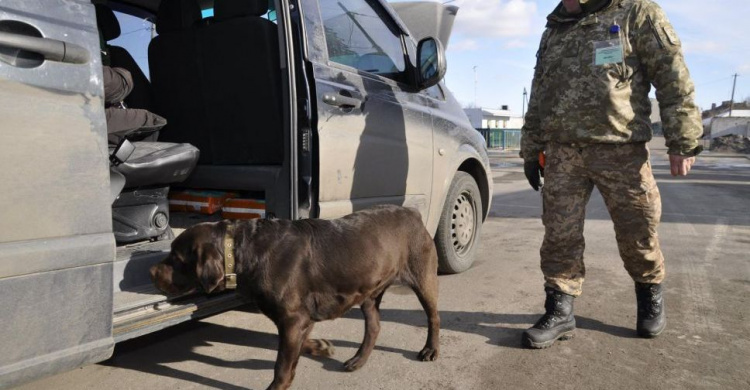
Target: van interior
216	71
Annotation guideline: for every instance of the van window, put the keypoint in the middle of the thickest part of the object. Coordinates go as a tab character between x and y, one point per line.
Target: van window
136	34
358	37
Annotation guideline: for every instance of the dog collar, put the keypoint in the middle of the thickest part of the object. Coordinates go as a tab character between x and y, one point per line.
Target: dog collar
230	278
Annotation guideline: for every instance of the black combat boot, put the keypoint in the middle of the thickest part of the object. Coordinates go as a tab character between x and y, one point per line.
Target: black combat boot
651	317
557	323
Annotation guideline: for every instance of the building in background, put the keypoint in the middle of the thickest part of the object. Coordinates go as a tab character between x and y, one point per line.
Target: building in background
739	109
501	128
717	121
490	118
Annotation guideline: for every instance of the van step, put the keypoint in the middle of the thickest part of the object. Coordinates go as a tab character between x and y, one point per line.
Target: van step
156	313
136	298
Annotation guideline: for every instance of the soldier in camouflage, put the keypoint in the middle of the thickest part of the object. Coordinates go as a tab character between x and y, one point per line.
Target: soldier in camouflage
589	113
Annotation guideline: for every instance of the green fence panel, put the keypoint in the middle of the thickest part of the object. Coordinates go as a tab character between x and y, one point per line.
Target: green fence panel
511	139
496	138
502	138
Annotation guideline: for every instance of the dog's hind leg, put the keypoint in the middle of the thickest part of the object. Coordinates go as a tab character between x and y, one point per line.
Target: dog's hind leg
426	288
372	328
293	331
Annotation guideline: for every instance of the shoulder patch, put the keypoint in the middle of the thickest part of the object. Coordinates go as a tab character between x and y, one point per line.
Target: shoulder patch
671	36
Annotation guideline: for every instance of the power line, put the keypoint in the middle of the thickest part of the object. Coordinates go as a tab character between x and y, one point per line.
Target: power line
715	81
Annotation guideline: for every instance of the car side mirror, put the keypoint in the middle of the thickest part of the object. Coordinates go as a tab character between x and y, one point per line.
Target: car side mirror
431	64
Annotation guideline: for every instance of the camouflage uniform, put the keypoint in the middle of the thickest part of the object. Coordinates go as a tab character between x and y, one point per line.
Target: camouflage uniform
589	110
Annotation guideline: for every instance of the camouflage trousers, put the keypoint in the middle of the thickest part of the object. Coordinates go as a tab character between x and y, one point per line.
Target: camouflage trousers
622	173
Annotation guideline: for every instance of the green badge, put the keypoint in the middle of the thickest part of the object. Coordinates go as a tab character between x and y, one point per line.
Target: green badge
608	52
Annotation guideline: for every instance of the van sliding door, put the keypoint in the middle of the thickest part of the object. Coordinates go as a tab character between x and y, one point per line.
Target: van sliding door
56	242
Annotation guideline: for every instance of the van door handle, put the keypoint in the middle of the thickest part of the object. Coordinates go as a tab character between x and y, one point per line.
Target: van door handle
51	49
340	100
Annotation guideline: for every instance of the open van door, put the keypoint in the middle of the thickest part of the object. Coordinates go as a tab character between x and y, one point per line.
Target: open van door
56	241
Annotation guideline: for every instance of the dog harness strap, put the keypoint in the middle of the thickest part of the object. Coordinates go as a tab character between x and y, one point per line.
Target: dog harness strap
229	259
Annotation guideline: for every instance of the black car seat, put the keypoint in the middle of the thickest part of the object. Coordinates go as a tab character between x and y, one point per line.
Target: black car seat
175	76
241	75
109	28
141	210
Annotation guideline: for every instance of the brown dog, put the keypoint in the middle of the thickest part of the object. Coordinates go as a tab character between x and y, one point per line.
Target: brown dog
302	272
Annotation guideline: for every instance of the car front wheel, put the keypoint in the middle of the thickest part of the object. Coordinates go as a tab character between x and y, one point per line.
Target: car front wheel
457	235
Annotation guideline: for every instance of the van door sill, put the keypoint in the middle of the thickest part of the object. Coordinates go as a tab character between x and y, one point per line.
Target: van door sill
145	310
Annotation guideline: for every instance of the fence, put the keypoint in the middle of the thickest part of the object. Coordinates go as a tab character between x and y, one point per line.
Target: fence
502	138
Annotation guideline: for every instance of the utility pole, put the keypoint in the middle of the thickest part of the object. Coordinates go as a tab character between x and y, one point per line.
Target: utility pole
731	102
475	87
523	109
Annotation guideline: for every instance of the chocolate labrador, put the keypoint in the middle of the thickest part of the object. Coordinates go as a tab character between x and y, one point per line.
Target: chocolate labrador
302	272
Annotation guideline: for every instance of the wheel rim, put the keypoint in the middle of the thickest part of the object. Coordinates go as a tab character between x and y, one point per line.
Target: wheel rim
463	223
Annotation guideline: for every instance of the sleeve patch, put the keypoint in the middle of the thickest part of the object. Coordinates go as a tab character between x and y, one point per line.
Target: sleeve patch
671	36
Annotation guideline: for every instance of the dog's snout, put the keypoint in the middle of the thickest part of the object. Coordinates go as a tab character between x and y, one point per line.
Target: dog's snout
153	270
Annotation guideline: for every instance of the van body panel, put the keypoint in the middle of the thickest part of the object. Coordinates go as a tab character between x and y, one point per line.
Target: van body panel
55	321
461	142
56	241
375	153
378	152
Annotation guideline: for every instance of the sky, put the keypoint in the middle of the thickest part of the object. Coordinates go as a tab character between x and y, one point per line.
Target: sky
501	37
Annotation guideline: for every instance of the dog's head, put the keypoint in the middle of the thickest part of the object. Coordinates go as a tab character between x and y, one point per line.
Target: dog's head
196	259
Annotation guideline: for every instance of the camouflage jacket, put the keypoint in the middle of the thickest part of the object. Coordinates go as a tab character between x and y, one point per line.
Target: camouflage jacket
593	76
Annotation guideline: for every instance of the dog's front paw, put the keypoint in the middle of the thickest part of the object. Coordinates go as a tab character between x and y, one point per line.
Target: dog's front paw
318	347
428	354
354	363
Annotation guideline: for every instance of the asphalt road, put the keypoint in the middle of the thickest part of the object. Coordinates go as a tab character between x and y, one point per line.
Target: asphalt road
705	236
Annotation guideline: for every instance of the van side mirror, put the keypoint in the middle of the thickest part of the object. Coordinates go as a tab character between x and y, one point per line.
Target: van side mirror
431	64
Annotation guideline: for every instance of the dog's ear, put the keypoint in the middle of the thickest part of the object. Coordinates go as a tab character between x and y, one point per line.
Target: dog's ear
209	266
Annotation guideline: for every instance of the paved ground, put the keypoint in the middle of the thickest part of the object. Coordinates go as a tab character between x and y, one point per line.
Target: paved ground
705	236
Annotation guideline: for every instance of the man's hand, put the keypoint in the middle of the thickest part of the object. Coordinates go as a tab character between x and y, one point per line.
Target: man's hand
533	171
680	165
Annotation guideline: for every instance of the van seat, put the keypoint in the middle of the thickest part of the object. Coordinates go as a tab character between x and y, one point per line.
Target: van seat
242	77
158	163
175	76
219	84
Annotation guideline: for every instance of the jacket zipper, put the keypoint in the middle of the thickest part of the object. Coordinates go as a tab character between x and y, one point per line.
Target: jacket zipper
656	33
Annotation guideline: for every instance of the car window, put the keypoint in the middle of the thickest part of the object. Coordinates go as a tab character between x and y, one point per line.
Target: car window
357	36
136	34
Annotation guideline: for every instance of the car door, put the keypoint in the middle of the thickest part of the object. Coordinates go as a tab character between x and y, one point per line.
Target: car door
56	242
375	141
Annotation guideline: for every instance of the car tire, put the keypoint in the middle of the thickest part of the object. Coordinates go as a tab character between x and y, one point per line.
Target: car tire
457	236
